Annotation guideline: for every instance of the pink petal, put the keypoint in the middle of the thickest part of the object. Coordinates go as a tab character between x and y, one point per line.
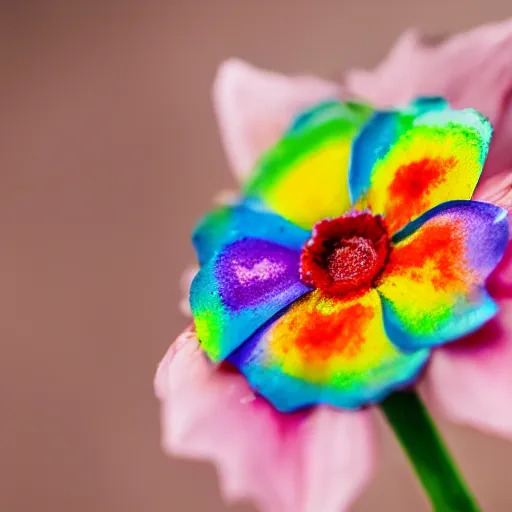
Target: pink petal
472	69
226	197
471	381
394	81
304	462
186	280
500	283
255	106
496	189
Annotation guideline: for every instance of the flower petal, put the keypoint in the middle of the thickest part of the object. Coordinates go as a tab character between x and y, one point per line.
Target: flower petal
471	381
406	162
185	283
331	350
240	288
496	189
470	69
230	223
312	161
255	106
500	154
320	459
500	281
432	285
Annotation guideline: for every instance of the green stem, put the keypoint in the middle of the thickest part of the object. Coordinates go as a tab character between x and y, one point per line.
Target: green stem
427	452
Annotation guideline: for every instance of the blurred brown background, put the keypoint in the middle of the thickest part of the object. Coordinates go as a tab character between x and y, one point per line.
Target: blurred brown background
108	153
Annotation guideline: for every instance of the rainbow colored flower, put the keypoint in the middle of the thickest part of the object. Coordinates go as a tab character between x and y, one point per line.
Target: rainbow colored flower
355	250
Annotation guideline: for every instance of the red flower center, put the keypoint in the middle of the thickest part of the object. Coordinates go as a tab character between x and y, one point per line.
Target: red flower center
345	254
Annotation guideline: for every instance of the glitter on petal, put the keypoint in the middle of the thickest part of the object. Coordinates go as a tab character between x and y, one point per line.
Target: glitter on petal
240	288
433	285
331	350
406	162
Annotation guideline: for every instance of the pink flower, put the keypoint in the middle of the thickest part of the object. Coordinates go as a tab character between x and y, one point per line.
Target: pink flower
321	459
